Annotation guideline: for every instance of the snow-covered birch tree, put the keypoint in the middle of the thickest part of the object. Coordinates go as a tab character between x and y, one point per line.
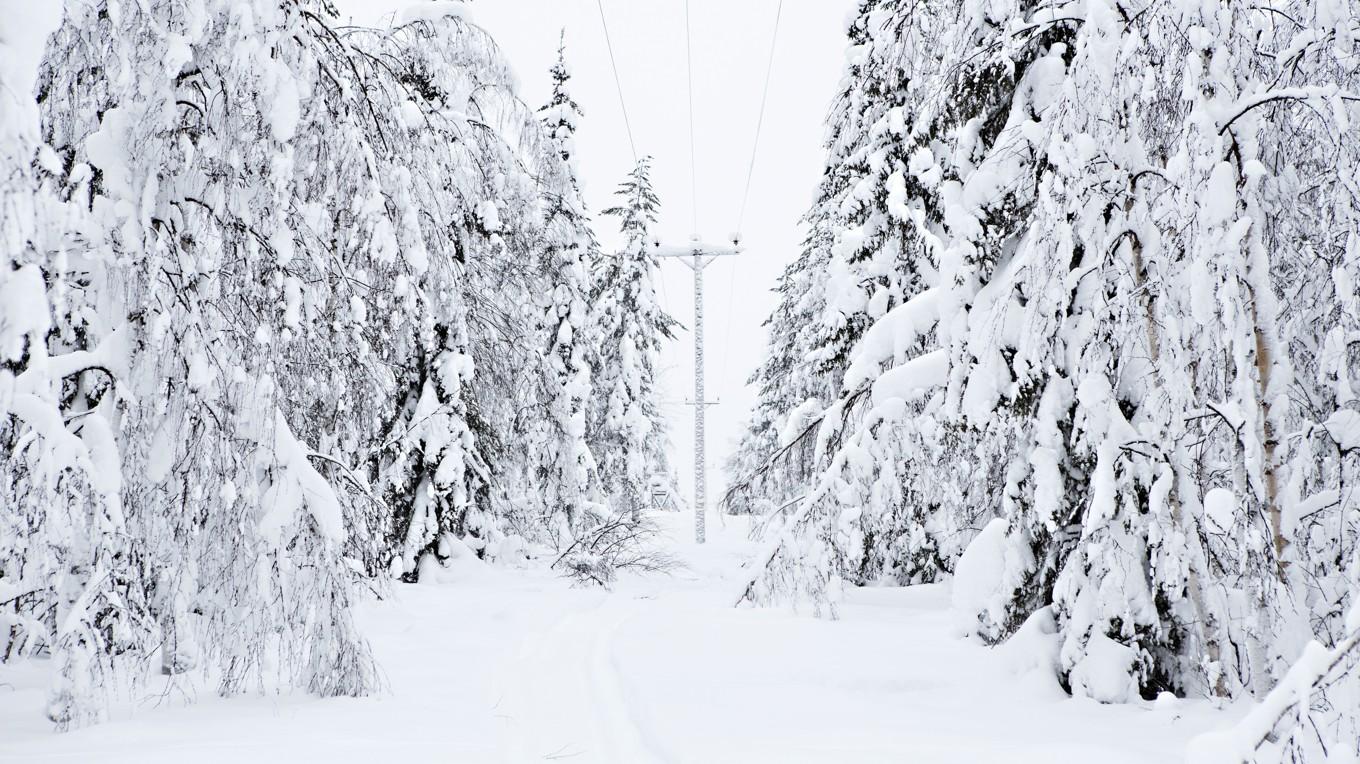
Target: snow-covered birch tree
254	264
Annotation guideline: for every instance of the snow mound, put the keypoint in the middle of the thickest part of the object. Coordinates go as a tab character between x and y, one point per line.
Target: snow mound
1032	653
1105	671
459	565
978	578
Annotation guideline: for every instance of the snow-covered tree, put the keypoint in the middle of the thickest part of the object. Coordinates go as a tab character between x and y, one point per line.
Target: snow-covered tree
1134	344
828	294
255	263
562	467
185	315
627	430
774	458
65	556
874	516
427	460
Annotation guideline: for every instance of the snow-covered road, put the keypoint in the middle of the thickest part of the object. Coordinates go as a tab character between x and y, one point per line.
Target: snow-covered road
497	665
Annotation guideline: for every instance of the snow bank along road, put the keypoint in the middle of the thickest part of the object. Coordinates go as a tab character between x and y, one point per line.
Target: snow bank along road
496	665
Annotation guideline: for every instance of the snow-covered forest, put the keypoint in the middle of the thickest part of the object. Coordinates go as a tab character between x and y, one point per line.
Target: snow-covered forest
320	379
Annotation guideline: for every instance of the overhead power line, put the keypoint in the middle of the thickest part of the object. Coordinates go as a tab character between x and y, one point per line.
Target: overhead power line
750	174
760	119
618	85
693	152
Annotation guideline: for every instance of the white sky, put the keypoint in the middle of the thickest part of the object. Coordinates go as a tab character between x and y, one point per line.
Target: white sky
731	44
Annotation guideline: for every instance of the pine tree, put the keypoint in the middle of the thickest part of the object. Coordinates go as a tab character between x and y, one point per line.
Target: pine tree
827	297
890	193
427	463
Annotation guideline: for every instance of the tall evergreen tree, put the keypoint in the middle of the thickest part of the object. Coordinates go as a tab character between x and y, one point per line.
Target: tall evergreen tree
826	301
563	465
774	458
628	431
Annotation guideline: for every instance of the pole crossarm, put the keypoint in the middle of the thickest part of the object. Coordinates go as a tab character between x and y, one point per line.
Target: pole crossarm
696	249
698	255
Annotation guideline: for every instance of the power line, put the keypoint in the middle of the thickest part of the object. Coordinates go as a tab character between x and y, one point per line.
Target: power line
618	85
693	172
750	174
760	120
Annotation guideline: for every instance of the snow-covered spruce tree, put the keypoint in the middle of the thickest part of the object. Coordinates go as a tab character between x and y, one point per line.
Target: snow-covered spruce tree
503	163
855	502
872	507
1113	204
627	432
829	294
773	458
561	474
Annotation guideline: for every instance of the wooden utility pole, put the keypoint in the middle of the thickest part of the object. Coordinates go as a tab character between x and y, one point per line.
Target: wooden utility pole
697	256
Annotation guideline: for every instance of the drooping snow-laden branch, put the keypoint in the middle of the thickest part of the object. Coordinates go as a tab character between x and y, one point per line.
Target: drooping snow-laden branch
1245	105
1267	721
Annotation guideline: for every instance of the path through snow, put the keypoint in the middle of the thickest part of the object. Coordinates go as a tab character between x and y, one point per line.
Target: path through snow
498	665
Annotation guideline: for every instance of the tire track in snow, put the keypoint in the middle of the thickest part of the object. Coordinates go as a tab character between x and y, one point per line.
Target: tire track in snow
567	699
631	739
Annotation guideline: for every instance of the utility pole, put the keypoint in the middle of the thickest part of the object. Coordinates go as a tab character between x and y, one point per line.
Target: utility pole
697	256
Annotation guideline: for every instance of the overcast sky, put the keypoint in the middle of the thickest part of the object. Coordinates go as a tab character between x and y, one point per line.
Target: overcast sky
731	45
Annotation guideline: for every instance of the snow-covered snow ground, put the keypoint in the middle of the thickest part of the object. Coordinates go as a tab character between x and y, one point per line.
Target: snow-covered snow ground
509	665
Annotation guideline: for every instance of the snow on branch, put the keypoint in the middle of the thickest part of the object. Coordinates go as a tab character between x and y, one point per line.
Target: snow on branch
891	336
298	486
1322	94
913	378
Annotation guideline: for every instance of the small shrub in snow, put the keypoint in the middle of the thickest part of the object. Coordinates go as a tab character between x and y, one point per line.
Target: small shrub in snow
618	543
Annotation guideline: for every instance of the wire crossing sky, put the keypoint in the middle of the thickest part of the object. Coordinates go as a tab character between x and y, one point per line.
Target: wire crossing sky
614	64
